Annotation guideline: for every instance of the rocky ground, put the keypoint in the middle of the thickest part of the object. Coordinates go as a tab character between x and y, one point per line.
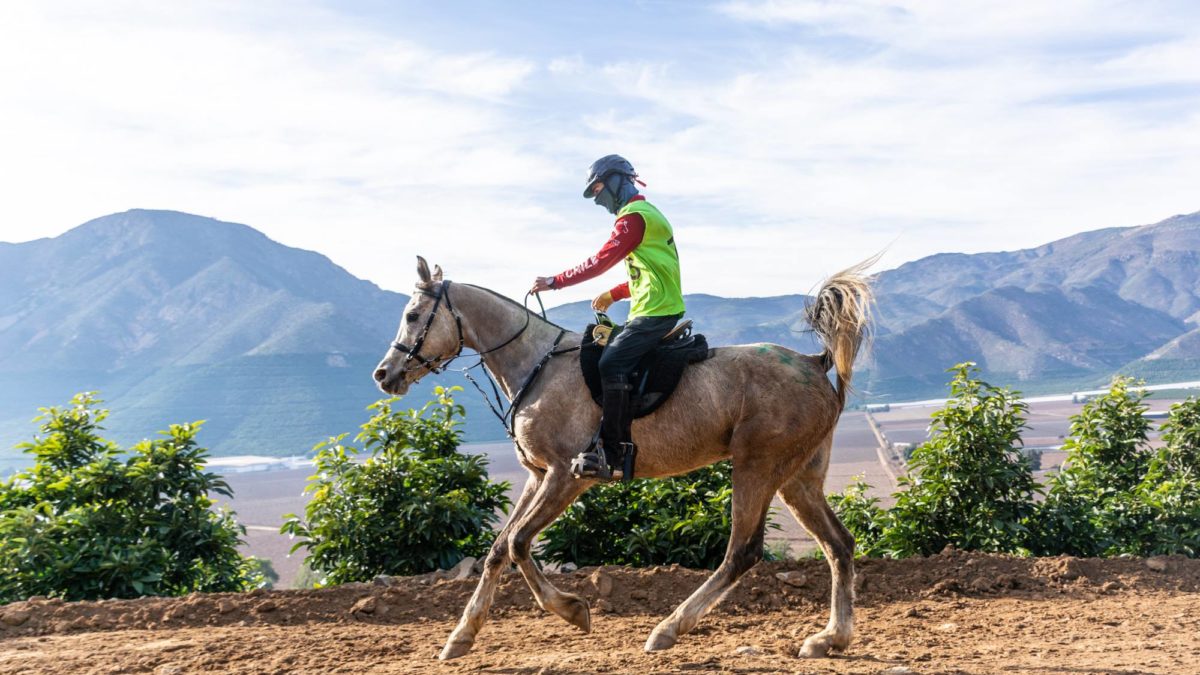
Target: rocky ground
952	613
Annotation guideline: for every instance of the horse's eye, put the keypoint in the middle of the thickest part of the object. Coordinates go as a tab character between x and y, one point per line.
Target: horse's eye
412	316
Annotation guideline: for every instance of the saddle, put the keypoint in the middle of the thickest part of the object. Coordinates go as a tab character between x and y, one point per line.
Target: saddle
657	374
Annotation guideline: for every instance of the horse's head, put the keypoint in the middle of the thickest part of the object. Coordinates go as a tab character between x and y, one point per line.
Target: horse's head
430	335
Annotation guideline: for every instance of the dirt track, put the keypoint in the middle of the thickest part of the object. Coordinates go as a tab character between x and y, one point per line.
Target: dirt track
948	613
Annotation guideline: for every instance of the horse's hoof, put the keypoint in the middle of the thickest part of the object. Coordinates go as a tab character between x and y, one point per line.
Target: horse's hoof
453	650
579	615
660	640
819	646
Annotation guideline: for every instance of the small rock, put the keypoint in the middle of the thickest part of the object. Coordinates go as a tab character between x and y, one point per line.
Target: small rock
1110	587
602	606
225	607
948	627
462	570
1158	564
912	613
265	606
747	650
257	593
382	580
638	594
15	617
897	670
945	587
794	578
365	606
602	582
568	567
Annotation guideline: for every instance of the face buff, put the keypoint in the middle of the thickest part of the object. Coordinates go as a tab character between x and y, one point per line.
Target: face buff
617	191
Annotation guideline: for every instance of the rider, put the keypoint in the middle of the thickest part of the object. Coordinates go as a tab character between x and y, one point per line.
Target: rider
643	238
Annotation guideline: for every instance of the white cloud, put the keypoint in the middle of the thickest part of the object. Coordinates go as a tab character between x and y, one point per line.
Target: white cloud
321	132
833	130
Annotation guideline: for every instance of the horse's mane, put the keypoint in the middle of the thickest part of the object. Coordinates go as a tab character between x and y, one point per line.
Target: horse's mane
516	304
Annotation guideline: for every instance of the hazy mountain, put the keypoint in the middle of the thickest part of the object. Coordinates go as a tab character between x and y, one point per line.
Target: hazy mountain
175	317
724	321
1071	311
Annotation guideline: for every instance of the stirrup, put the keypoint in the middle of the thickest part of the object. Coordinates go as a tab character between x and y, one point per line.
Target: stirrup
592	463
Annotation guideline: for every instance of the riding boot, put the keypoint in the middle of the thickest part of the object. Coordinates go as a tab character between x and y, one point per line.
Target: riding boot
612	459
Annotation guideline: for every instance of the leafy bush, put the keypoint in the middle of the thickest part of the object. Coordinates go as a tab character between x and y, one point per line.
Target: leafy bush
1090	508
684	520
86	522
1169	495
862	516
412	506
968	485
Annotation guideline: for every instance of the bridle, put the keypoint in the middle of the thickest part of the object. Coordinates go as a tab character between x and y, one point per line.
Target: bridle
414	352
439	363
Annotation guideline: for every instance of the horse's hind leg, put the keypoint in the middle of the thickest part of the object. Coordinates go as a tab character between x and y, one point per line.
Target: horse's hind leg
753	487
805	496
475	613
558	489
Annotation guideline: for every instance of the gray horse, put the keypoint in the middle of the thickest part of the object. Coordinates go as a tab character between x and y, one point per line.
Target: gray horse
769	409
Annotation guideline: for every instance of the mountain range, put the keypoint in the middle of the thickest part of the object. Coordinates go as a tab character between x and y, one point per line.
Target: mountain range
175	317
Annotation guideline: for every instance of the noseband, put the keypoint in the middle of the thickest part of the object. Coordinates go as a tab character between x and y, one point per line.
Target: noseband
438	363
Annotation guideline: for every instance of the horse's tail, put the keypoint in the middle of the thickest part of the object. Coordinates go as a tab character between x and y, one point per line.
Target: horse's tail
840	315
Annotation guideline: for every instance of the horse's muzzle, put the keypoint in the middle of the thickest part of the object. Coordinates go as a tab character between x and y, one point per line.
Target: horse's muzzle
391	381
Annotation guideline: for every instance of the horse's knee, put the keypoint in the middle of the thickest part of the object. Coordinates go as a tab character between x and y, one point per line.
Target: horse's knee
519	544
497	556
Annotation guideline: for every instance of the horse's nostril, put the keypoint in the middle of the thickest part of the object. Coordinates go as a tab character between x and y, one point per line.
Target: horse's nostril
380	374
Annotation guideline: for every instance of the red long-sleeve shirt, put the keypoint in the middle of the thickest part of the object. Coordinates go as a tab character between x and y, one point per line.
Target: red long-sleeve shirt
626	235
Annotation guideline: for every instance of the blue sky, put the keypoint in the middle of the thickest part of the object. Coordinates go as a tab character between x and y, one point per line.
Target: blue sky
784	139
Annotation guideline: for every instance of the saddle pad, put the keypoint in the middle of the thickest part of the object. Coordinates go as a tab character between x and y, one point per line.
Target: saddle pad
657	374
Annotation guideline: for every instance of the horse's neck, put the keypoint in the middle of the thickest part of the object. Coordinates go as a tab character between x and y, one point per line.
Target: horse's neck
488	321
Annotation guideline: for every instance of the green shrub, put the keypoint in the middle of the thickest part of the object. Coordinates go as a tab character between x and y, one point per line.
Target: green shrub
968	485
1090	507
684	520
86	522
1169	496
413	505
861	515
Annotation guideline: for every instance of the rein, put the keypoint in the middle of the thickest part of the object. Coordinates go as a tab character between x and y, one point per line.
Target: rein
439	363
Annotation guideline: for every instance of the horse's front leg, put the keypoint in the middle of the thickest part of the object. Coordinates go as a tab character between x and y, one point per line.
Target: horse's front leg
463	637
558	489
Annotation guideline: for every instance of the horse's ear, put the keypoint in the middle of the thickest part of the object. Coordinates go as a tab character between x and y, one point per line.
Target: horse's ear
423	270
437	272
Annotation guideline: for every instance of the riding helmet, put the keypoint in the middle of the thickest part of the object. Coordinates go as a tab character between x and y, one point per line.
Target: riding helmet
605	167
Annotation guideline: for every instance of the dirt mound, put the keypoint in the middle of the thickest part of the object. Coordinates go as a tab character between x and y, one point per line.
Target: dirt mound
947	608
